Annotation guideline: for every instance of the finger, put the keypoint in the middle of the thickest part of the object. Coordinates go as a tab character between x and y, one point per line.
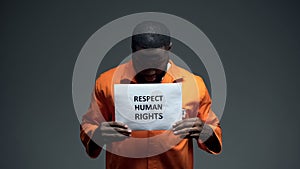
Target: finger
195	120
178	123
121	130
188	125
114	124
114	130
189	136
117	124
183	125
124	131
114	137
187	131
126	134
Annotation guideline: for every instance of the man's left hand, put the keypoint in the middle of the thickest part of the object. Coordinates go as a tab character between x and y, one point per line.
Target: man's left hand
188	128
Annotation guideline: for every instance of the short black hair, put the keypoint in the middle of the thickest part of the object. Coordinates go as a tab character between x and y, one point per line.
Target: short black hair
150	34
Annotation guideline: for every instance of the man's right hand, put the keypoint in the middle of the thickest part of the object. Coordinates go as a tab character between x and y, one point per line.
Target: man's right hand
112	131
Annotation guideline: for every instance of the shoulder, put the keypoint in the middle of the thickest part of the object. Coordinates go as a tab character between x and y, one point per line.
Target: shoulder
108	78
191	80
188	76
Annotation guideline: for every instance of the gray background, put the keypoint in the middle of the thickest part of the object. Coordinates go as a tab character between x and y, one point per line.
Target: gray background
258	43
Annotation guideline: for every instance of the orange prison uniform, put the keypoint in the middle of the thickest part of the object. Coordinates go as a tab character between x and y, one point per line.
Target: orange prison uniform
195	100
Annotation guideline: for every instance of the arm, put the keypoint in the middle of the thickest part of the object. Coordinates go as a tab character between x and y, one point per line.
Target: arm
205	127
90	123
97	127
210	138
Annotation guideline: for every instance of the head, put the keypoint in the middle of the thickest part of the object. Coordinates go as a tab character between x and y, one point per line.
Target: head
150	45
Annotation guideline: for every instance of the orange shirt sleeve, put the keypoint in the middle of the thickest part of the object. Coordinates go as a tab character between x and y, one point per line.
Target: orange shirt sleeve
97	113
213	144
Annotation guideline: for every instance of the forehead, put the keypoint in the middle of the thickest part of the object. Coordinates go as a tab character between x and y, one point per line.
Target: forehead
151	52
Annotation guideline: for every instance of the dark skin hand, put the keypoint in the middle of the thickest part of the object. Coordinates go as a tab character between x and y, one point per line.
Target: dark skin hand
112	131
192	128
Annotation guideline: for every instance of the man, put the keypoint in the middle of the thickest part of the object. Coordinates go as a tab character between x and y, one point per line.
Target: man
150	63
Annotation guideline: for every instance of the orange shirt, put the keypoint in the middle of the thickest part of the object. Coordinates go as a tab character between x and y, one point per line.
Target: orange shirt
195	100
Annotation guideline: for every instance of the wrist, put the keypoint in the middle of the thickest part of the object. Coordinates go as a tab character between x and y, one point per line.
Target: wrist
97	137
206	133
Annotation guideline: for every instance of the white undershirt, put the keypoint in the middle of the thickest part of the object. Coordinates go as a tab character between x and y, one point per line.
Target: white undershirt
168	67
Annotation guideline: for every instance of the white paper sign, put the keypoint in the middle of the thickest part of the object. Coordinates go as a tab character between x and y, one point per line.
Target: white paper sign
148	106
